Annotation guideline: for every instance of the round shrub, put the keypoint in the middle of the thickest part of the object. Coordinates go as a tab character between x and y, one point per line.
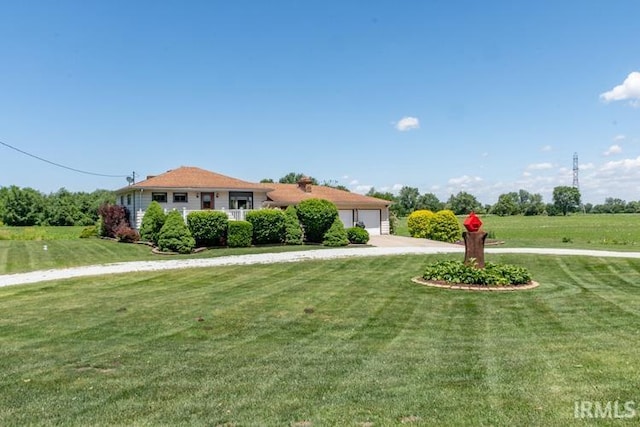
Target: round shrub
126	234
175	236
268	225
357	235
445	227
292	228
87	232
316	217
239	234
419	223
152	222
208	228
336	235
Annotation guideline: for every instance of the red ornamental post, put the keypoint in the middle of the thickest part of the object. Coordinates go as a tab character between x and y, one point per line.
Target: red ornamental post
474	239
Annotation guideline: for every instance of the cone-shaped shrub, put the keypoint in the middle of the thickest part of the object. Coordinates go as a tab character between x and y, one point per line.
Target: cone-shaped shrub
239	234
293	229
152	222
175	236
316	217
336	235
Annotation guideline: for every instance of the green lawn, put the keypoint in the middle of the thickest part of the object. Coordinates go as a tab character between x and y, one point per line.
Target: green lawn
342	342
18	256
619	232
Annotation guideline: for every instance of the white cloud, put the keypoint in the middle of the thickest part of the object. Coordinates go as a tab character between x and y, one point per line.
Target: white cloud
526	174
354	182
618	138
362	188
539	166
408	123
629	89
587	166
464	180
614	149
625	165
546	148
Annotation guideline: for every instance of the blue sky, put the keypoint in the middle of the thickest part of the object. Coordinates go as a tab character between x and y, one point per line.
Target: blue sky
446	96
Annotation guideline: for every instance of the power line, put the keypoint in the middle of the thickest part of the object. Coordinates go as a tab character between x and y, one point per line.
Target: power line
59	165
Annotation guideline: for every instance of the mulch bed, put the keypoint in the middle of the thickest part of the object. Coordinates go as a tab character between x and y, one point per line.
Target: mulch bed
464	287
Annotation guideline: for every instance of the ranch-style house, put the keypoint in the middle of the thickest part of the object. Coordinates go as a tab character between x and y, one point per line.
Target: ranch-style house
188	189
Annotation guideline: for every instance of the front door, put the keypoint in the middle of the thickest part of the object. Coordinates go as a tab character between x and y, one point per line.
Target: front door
207	200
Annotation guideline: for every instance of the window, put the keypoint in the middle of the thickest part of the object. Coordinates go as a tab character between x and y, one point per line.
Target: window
121	200
179	197
159	197
128	199
240	200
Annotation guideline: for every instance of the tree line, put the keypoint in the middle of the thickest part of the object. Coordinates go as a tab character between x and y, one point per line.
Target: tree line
28	207
565	200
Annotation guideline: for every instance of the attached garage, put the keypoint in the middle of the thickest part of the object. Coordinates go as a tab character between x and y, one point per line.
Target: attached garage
371	219
346	216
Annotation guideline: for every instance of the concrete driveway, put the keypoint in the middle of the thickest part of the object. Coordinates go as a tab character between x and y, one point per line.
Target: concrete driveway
392	241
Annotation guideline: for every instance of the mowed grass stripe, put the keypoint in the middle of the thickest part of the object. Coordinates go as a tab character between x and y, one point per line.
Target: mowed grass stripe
376	347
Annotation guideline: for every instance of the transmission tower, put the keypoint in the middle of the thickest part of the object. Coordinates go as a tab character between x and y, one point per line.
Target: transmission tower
576	183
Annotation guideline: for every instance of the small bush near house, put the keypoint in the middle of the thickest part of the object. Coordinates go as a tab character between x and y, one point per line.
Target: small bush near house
87	232
126	234
393	223
445	227
357	235
152	222
239	234
491	274
292	229
316	217
268	225
336	235
111	218
208	228
419	223
175	236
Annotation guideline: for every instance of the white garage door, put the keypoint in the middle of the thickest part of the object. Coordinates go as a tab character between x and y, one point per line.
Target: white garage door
371	219
346	216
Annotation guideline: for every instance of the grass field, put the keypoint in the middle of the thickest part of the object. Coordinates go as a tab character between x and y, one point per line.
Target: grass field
619	232
343	342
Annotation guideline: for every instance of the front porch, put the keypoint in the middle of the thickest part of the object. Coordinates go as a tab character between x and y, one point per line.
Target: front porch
232	214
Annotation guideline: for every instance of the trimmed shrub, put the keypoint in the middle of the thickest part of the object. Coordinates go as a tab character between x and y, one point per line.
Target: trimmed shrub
239	234
152	222
292	228
112	217
126	234
419	223
357	235
316	217
445	227
336	235
175	236
87	232
208	228
268	225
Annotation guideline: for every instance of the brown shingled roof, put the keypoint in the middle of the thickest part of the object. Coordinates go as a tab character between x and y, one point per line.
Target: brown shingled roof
292	194
192	177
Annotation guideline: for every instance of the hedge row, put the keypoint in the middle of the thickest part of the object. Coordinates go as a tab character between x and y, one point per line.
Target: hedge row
442	225
313	221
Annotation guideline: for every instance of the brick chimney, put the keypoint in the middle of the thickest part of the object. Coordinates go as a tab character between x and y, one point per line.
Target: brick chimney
304	184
